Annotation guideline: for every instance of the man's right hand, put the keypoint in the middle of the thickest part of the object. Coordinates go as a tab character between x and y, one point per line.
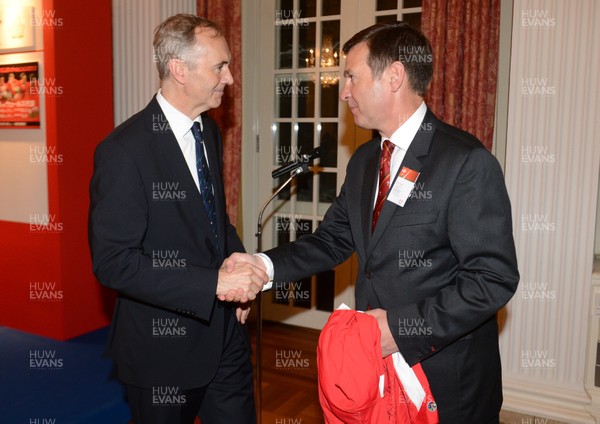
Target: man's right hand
240	281
240	259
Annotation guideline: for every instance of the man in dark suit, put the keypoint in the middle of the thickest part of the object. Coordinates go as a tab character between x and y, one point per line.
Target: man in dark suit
158	235
424	206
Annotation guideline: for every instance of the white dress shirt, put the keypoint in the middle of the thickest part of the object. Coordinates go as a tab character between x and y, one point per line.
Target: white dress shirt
181	125
401	138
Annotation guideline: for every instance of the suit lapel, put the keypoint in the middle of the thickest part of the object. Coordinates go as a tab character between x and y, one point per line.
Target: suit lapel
413	159
173	162
368	193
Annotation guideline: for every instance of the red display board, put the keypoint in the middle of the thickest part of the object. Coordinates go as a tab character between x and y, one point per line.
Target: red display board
20	89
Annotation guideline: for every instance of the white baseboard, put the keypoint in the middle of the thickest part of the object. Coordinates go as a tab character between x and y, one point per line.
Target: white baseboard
543	400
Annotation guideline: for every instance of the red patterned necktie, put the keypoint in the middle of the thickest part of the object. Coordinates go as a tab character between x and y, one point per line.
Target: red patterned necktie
384	179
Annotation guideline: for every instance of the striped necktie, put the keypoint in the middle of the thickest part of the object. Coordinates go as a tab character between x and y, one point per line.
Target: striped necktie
205	180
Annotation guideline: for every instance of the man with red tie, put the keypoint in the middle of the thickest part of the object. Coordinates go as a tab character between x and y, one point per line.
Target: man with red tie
425	208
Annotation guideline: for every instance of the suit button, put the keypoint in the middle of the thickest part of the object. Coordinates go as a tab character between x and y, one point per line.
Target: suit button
368	274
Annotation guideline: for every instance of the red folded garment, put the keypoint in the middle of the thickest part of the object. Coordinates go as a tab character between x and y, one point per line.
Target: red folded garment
352	376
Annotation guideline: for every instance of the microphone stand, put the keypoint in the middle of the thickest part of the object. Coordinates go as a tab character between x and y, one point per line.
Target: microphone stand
301	169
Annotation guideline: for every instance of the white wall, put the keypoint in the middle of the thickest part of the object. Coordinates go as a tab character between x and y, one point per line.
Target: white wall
597	248
23	182
552	166
135	74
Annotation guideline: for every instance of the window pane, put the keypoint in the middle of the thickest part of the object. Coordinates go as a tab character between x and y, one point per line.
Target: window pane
412	3
284	89
283	143
306	96
327	187
306	42
282	230
329	94
386	4
330	44
298	292
387	19
288	224
306	138
283	45
331	7
301	293
280	293
413	19
285	4
325	289
304	187
328	143
285	193
308	8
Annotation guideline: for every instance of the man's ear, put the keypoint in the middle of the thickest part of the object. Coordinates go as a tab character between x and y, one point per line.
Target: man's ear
396	75
178	70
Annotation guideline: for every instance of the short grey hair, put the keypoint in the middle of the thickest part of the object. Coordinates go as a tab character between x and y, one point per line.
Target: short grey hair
176	37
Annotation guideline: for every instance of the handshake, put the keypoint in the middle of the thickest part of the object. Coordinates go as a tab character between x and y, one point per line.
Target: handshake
241	278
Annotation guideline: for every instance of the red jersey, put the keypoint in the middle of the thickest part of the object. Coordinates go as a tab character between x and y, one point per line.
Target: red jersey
357	385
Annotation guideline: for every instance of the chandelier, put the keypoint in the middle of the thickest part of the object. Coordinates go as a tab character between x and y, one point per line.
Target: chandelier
328	58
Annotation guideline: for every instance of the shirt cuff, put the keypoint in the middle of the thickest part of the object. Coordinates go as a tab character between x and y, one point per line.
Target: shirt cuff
270	270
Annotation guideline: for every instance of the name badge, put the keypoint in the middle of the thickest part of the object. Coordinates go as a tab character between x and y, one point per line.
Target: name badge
403	186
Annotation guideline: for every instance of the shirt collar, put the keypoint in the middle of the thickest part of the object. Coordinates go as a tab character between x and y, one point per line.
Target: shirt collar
180	124
404	135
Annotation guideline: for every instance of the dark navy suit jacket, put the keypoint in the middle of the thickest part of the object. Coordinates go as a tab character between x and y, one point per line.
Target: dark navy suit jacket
151	241
441	266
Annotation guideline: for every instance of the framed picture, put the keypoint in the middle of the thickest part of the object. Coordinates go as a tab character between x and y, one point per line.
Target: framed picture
20	90
16	28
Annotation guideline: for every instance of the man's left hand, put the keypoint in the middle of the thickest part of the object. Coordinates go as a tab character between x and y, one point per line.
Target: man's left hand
242	311
388	345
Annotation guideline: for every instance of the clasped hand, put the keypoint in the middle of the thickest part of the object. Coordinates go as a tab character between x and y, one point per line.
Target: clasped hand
241	278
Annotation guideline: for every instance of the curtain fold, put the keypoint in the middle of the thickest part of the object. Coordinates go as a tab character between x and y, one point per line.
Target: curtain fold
464	35
229	115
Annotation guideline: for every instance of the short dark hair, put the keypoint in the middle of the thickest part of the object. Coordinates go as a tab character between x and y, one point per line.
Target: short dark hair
398	41
176	37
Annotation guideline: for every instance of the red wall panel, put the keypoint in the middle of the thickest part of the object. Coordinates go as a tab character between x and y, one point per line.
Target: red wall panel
78	58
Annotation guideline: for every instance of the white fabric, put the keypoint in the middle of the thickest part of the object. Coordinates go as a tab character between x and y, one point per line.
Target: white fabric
270	272
410	382
181	125
403	137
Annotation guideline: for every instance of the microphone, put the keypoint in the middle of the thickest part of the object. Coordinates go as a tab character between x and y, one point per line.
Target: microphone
298	167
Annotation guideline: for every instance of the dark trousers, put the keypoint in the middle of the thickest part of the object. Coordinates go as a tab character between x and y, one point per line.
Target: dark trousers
227	399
